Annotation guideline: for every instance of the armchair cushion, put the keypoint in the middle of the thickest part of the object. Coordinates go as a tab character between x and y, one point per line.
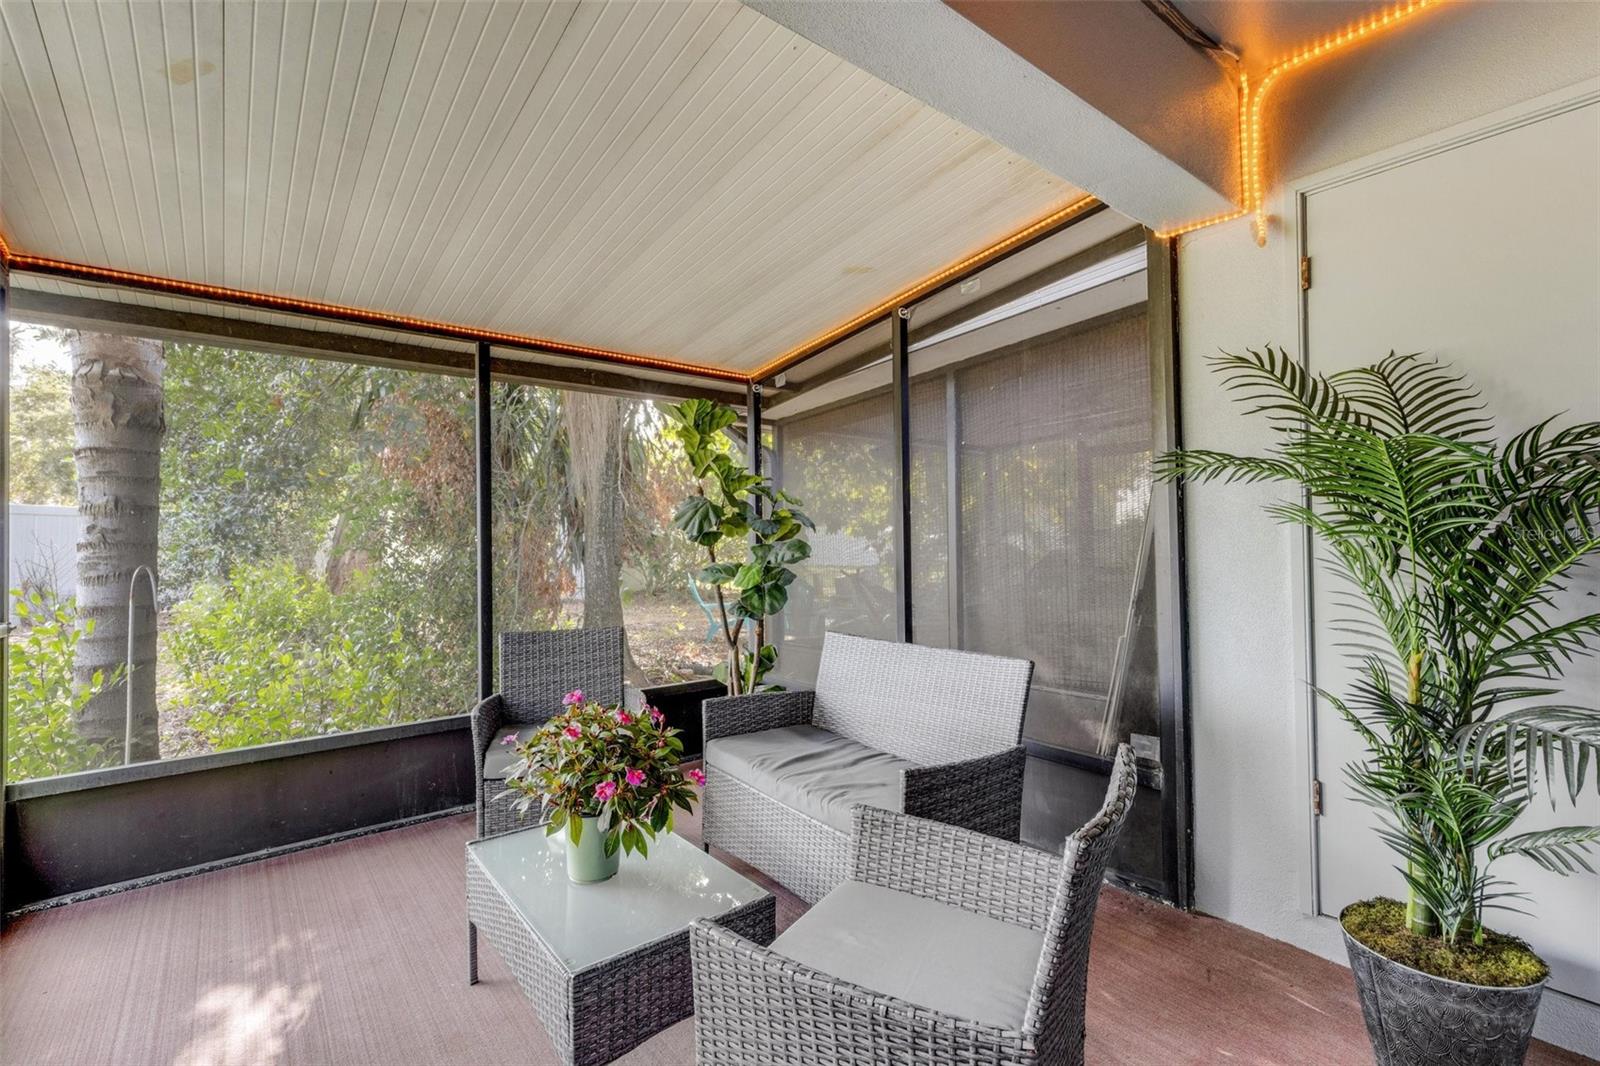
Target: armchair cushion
811	770
925	953
499	759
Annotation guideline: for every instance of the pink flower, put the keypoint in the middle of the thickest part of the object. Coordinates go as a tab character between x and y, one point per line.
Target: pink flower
573	731
656	716
635	777
509	739
605	790
573	698
624	717
698	777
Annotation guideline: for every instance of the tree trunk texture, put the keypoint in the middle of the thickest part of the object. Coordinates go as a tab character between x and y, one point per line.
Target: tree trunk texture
594	425
118	417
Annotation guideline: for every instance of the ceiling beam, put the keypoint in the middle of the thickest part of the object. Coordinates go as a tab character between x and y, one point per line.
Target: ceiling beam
160	323
1102	95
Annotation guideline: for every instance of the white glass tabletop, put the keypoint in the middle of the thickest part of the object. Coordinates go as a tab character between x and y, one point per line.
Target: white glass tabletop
647	900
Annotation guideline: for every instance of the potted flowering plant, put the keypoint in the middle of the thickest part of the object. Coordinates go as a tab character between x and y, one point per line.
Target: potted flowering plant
606	775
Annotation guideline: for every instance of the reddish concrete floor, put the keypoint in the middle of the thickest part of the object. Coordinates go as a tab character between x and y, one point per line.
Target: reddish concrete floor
355	953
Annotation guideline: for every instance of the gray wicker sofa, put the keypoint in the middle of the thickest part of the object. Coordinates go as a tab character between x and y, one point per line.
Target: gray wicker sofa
942	947
924	731
536	671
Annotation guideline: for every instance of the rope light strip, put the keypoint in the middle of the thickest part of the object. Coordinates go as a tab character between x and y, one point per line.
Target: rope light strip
1252	185
925	286
1252	182
360	315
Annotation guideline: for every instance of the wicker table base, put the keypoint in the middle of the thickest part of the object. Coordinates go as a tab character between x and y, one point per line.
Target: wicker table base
602	987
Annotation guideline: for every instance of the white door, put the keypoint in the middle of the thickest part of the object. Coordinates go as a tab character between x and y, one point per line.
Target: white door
1487	255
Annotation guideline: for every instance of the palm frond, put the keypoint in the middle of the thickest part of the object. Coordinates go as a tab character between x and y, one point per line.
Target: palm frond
1561	851
1537	735
1276	385
1405	394
1197	464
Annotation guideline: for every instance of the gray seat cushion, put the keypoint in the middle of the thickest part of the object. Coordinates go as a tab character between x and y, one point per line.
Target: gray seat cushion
811	770
926	953
501	757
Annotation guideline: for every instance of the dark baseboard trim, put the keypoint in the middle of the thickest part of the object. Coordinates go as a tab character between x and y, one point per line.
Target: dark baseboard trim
232	861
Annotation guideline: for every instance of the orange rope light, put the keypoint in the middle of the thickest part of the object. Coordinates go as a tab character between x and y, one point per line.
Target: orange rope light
171	286
925	286
1252	181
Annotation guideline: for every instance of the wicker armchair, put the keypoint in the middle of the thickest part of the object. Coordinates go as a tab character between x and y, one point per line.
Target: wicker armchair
536	670
925	731
943	947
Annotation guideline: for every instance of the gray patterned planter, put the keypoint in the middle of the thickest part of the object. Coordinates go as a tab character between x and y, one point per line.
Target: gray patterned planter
1416	1019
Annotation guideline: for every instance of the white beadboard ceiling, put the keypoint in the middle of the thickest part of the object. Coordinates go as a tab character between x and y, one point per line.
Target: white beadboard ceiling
687	180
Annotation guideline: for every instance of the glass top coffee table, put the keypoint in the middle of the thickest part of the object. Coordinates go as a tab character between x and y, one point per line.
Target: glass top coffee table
606	965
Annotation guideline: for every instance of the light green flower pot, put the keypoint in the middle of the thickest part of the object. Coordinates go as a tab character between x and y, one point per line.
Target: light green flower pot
587	861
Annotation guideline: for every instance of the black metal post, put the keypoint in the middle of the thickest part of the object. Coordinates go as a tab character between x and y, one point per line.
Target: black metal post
484	496
5	551
752	443
900	378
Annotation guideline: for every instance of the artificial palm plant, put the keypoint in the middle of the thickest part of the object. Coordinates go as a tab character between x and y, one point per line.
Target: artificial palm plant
1456	549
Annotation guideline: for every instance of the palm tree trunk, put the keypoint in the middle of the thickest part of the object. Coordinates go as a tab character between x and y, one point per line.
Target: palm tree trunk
594	426
117	419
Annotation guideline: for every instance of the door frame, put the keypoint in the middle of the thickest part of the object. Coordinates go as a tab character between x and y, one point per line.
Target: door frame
1293	208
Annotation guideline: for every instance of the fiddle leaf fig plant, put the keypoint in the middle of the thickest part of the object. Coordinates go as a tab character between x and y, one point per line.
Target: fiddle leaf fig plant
1458	549
752	533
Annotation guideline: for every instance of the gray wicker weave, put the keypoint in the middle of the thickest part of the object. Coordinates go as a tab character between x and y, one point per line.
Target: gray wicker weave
596	1010
536	670
754	1005
956	714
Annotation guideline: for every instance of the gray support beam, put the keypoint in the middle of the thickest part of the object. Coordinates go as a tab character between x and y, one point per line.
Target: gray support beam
1105	96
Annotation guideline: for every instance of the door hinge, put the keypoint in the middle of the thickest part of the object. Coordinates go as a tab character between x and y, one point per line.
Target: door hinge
1305	272
1316	796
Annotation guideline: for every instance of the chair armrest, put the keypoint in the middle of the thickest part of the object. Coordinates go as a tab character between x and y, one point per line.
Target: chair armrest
982	794
957	867
488	717
753	1004
729	716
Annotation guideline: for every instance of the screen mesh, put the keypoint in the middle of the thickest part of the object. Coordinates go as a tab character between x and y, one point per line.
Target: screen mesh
840	463
1054	453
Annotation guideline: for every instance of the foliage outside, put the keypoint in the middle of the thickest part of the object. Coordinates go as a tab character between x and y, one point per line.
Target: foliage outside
317	548
42	699
739	505
1456	548
608	763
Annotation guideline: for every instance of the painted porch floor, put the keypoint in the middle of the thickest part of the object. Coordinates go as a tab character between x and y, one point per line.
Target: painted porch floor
355	953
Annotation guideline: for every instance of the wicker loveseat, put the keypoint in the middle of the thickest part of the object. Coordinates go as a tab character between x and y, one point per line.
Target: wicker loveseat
941	948
923	731
536	670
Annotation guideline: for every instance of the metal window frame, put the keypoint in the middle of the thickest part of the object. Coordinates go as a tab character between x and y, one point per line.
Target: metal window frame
1176	788
376	770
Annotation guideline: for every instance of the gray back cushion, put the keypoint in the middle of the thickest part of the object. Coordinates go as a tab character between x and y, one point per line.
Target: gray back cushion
927	705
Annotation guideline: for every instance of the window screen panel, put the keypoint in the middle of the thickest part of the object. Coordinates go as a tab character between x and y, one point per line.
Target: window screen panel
1055	446
840	463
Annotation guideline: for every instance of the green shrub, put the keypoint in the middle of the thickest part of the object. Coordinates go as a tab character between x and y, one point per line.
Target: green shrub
41	699
273	655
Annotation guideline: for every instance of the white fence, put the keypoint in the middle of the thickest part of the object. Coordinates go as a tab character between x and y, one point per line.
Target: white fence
43	548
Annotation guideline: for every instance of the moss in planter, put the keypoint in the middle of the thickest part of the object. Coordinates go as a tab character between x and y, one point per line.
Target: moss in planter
1500	961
